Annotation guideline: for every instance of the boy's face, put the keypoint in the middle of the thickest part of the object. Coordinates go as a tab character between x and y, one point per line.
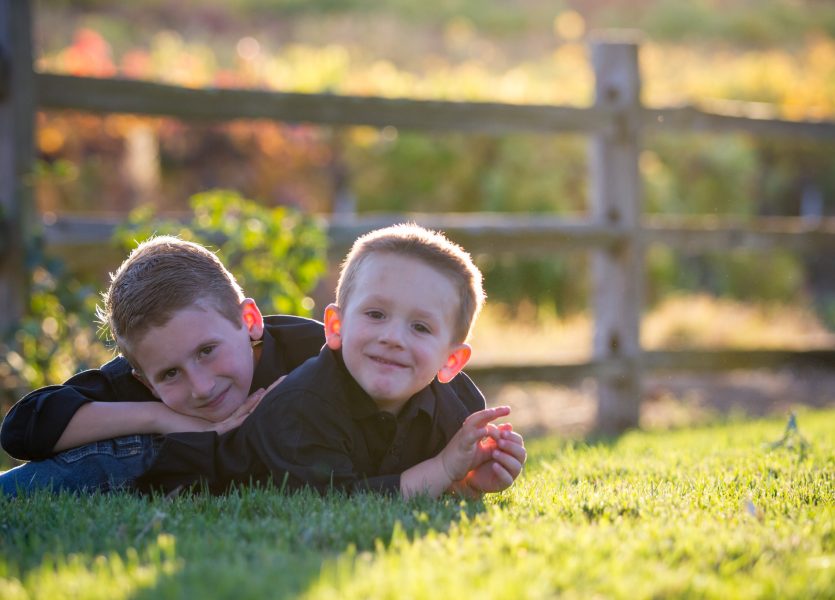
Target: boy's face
199	363
396	330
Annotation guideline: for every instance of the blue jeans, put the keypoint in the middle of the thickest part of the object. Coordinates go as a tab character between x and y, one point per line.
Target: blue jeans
104	466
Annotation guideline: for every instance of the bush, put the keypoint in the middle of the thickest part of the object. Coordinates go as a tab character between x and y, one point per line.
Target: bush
277	254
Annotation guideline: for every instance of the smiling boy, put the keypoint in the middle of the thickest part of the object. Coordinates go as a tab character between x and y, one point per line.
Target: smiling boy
369	412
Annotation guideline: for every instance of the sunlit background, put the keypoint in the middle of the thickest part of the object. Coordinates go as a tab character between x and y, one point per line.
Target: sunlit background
772	58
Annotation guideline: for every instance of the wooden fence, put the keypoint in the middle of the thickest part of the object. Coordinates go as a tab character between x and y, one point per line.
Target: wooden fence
615	231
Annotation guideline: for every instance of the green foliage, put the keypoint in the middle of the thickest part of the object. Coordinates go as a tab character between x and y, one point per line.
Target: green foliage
55	338
465	173
770	22
558	284
276	254
714	512
700	175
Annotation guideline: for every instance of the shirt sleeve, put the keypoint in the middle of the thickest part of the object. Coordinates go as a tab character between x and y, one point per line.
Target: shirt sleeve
34	424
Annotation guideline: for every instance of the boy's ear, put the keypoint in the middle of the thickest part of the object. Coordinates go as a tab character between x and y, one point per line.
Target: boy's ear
333	327
139	376
254	321
455	362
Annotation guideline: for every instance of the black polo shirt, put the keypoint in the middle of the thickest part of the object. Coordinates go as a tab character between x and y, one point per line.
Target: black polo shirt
319	428
35	423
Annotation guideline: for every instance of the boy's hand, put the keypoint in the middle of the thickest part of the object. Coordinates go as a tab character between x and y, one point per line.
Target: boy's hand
237	418
174	422
466	450
507	457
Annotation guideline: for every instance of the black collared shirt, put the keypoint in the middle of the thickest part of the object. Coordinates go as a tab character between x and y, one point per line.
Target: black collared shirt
319	428
35	423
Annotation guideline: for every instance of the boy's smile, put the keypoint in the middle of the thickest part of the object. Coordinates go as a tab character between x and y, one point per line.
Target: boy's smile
198	363
396	332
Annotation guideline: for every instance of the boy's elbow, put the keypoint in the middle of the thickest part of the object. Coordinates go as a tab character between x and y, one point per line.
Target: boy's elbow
17	444
12	444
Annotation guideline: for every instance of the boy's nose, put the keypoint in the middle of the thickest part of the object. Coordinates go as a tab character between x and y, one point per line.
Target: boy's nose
392	333
202	383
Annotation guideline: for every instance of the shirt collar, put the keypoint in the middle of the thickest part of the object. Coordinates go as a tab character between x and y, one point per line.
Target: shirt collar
424	401
269	363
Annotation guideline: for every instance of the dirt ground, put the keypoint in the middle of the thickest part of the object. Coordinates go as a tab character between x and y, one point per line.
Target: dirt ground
669	401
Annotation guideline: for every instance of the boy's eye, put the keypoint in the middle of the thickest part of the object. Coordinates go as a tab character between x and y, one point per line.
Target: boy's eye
169	374
421	328
374	314
206	350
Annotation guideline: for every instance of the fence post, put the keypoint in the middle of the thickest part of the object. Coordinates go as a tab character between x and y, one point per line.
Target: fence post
17	118
615	200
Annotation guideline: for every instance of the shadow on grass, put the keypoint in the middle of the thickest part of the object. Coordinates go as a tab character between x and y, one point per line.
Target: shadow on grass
250	542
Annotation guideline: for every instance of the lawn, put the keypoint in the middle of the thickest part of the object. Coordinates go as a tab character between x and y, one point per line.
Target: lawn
707	512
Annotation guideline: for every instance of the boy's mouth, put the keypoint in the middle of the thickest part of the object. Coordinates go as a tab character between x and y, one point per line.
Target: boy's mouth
216	401
386	362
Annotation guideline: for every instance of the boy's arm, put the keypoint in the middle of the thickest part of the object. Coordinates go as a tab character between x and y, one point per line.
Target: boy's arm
34	424
104	420
437	475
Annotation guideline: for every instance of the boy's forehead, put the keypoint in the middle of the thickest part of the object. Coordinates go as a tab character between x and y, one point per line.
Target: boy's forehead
207	310
189	324
386	271
388	267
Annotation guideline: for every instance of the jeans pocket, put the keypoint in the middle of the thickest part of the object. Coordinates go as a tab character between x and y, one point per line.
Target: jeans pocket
128	445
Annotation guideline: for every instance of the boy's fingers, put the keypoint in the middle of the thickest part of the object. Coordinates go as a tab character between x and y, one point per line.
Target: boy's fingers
488	443
509	462
483	417
476	435
504	477
511	437
517	451
274	383
249	405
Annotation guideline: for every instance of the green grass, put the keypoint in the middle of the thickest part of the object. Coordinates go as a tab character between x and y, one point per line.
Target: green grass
709	512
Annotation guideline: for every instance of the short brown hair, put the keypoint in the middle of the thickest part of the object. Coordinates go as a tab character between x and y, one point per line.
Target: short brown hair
161	276
429	247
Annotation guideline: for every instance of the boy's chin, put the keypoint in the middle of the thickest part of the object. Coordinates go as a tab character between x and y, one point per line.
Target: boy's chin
388	399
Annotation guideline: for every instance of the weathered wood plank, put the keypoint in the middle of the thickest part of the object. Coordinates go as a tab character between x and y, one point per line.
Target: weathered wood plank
657	361
701	234
693	119
16	151
535	234
615	201
146	98
719	360
490	232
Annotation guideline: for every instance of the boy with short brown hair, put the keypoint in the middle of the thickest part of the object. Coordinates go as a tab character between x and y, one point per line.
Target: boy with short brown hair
196	355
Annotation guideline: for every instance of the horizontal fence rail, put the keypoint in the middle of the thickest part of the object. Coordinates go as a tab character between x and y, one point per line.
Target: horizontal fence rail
526	234
659	361
146	98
